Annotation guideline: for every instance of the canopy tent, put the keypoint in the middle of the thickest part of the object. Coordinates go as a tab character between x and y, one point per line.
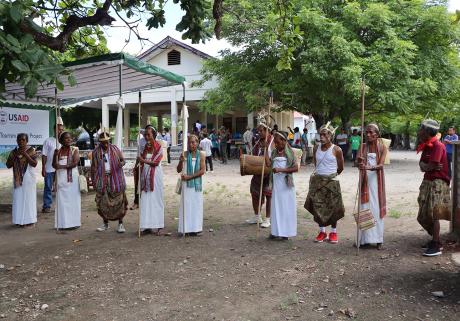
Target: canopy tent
97	77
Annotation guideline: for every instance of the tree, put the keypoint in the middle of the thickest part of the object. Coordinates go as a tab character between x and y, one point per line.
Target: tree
36	36
314	54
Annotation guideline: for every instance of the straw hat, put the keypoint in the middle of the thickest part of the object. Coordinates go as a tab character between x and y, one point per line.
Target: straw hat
104	136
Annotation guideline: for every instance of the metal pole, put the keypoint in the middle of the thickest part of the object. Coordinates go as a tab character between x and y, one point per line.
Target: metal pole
363	88
139	168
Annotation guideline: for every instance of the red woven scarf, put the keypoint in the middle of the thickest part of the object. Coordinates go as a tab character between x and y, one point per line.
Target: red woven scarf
157	155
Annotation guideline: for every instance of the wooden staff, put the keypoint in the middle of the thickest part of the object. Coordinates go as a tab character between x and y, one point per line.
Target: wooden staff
139	169
363	88
263	166
57	114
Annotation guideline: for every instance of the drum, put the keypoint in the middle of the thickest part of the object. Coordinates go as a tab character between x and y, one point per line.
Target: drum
252	165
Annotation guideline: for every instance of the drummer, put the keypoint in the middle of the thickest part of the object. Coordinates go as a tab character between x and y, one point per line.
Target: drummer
258	150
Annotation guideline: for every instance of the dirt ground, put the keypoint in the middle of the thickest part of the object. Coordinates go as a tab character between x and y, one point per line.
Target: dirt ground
230	272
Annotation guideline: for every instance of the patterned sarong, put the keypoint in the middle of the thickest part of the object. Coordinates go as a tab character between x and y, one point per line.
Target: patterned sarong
255	187
324	200
434	203
111	206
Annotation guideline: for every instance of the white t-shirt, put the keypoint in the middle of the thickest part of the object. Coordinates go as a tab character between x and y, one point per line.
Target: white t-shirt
342	136
167	137
198	126
107	162
297	138
206	145
49	146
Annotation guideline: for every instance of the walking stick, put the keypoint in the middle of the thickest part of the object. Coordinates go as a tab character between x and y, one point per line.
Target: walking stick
57	114
139	169
184	149
263	167
363	88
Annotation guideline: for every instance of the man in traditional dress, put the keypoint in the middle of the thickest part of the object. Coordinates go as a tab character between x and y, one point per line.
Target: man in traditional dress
434	196
48	172
265	139
324	200
109	182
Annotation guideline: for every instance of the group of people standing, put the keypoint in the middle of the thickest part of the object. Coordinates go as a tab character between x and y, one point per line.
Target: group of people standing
324	200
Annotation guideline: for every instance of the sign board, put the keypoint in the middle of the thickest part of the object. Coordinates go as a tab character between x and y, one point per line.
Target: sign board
33	122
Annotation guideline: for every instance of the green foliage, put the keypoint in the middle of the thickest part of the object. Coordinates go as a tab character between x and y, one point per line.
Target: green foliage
315	53
37	36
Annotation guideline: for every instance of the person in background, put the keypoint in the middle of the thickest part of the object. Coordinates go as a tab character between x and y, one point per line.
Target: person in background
223	144
109	182
23	160
180	137
247	140
434	196
297	138
304	144
205	146
167	138
342	142
229	143
355	141
68	198
290	136
450	137
197	127
48	172
215	145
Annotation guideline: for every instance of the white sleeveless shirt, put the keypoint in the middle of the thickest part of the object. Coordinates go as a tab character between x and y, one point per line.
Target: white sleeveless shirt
326	162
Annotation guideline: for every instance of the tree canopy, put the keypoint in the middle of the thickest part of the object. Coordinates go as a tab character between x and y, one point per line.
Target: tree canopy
314	53
36	36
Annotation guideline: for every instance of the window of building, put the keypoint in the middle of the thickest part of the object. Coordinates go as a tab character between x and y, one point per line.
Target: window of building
173	57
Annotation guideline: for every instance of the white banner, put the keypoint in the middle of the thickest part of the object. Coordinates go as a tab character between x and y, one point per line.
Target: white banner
33	122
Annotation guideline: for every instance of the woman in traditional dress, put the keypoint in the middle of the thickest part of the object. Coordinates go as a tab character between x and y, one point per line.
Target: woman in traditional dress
152	205
23	160
371	158
191	205
68	199
283	204
109	182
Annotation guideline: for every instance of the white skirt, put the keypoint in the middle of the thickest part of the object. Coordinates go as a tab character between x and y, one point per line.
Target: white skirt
375	234
25	199
68	199
192	204
283	205
152	205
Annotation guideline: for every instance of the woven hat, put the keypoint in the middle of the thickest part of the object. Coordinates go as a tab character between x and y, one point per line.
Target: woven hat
104	136
329	128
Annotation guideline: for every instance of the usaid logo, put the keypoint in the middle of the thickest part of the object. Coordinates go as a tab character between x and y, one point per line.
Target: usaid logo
3	117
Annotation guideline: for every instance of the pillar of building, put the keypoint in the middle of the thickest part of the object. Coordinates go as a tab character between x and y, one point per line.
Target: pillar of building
105	113
126	126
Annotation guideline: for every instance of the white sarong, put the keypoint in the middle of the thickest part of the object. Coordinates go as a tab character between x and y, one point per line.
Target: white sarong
283	206
375	234
192	203
151	203
68	199
25	199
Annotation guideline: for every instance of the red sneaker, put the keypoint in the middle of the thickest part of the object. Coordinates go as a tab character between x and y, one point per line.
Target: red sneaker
321	237
333	238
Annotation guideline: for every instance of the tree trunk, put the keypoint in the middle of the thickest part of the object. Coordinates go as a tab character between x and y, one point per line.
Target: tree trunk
407	136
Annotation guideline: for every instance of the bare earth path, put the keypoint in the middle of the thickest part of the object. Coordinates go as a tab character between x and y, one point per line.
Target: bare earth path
228	273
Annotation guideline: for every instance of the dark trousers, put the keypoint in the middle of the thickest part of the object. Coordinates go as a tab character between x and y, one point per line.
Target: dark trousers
223	152
48	189
136	182
215	152
168	151
209	160
449	164
344	149
354	153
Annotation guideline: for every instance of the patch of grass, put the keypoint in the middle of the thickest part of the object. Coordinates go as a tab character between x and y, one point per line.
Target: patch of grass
395	214
291	299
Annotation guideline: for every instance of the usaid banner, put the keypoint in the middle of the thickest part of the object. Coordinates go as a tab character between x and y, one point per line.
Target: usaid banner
33	122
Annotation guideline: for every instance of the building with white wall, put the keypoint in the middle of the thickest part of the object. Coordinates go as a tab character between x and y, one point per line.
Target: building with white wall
179	58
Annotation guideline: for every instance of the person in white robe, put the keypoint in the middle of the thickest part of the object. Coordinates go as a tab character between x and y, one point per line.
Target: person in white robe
283	205
23	160
371	159
68	198
151	202
191	204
